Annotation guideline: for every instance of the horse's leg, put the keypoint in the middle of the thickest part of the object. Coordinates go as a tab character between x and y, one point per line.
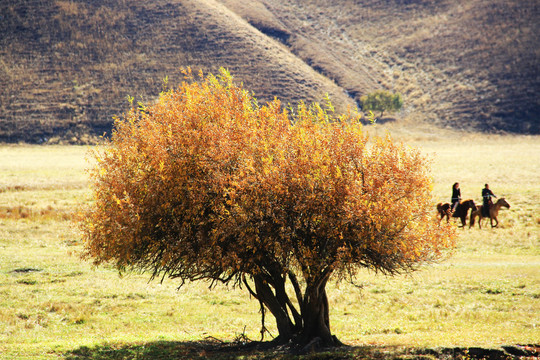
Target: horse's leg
479	221
496	222
475	215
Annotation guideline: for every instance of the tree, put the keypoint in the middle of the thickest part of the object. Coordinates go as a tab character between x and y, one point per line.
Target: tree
382	101
208	185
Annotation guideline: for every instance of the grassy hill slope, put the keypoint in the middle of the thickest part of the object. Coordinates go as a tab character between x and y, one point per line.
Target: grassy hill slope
66	67
469	64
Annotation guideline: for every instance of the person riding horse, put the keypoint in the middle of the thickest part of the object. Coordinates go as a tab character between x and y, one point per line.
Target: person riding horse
487	194
456	196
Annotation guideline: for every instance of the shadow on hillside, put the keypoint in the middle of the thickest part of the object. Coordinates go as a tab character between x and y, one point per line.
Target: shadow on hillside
379	120
216	350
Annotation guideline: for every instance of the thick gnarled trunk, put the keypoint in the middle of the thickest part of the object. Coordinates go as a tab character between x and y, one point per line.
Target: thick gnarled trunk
310	325
315	315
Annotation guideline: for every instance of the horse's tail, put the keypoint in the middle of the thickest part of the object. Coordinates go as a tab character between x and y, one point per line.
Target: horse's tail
440	209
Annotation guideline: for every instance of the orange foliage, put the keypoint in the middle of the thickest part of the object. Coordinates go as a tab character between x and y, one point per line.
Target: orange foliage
208	184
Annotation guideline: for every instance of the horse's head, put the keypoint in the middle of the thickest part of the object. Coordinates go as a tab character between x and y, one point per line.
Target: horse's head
472	205
504	203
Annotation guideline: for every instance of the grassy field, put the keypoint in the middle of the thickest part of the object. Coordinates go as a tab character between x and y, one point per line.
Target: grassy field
54	306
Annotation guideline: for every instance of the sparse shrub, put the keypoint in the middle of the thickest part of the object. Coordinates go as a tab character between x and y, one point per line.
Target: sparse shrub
382	101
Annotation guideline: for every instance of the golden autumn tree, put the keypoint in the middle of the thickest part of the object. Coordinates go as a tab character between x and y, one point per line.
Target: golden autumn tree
208	185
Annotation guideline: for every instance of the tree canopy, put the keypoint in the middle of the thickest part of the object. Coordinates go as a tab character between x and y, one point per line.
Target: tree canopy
382	101
208	184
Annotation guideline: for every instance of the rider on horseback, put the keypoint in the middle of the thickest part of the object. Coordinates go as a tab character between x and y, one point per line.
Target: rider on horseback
456	196
487	202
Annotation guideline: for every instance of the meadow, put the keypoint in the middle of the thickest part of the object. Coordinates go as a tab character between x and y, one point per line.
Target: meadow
55	306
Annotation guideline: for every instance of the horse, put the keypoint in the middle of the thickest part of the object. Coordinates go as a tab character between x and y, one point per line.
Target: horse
493	212
461	210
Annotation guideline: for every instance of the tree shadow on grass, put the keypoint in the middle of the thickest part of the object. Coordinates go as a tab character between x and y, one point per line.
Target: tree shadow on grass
153	350
215	350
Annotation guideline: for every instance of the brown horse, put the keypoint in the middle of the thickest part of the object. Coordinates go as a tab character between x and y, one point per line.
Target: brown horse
461	210
493	212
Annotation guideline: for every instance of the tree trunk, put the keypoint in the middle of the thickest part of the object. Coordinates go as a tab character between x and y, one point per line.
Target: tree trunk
309	328
267	297
315	315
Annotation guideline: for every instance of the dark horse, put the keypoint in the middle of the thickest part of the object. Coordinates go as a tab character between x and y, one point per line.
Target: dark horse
461	210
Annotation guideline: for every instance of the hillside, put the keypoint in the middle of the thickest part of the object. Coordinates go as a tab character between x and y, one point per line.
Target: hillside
66	67
469	64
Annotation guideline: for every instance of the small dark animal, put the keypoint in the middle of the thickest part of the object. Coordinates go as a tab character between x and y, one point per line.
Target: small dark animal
461	210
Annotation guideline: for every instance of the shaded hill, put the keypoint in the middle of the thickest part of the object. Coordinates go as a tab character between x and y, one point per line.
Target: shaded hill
66	67
469	64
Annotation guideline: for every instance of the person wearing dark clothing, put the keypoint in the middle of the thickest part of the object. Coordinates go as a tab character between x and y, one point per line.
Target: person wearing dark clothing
456	196
487	194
